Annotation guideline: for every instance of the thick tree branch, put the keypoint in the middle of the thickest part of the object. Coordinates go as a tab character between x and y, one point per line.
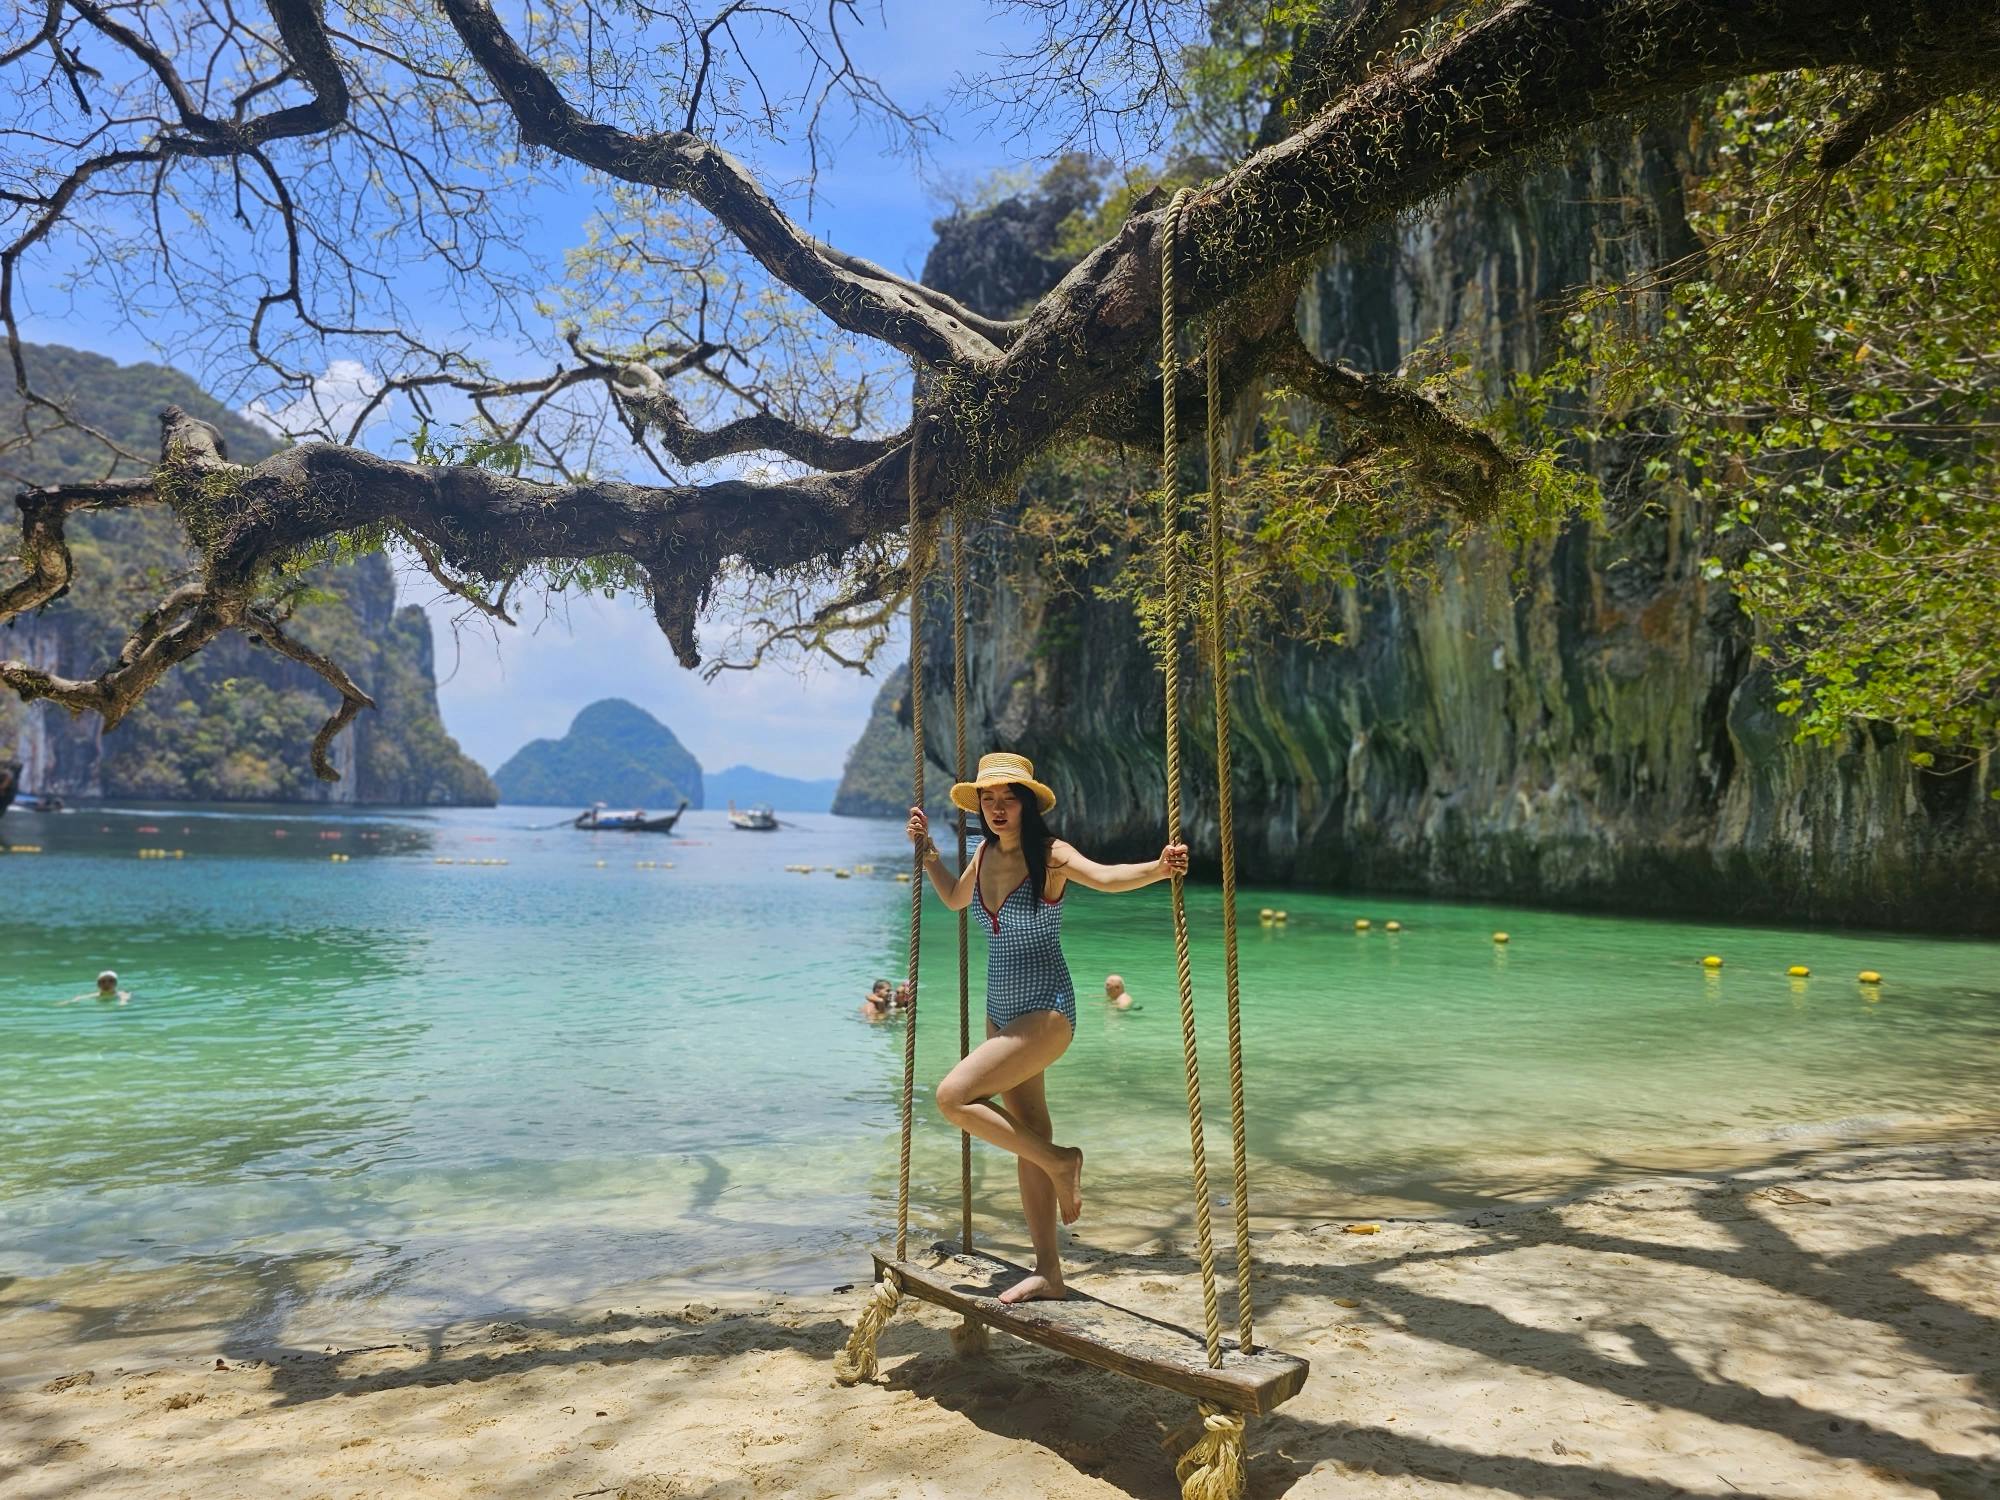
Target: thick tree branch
650	401
51	16
867	301
261	624
1452	458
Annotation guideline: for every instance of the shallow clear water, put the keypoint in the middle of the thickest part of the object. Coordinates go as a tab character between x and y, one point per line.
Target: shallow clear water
390	1090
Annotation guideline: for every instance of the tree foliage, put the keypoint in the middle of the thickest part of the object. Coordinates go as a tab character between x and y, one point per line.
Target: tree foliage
1825	381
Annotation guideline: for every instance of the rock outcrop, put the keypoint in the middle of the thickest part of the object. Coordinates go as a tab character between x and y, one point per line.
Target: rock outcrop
1580	722
236	723
614	752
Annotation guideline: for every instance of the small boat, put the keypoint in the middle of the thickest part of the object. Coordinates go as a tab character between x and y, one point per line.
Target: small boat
42	802
757	819
599	817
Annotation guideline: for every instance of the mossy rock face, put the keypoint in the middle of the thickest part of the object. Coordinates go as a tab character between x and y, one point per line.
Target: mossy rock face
236	723
1577	722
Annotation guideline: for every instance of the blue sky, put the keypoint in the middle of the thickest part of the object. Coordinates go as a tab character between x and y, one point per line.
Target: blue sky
498	693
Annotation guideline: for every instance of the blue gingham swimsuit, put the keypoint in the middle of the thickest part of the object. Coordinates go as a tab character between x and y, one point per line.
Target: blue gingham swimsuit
1025	970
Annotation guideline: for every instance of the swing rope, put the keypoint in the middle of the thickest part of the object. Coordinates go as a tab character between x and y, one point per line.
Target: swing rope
958	578
1170	506
970	1336
920	542
1239	1158
857	1361
1213	1469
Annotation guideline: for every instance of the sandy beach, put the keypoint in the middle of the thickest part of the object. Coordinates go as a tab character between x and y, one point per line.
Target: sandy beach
1827	1324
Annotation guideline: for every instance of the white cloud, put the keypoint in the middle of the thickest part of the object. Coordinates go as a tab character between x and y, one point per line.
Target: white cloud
328	408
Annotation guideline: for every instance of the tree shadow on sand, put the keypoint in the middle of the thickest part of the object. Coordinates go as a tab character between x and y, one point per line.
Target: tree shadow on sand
1753	1252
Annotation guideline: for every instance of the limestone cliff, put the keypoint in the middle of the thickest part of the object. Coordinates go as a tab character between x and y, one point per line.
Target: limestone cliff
875	783
236	723
1578	723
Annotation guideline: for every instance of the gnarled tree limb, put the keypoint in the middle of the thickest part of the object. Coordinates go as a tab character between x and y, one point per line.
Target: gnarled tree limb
1452	458
855	295
995	395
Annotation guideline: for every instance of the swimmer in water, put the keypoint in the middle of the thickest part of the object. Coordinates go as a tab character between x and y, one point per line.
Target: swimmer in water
875	1004
1115	994
107	991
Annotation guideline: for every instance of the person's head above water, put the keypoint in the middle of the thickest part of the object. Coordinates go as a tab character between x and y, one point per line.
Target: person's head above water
1114	986
107	983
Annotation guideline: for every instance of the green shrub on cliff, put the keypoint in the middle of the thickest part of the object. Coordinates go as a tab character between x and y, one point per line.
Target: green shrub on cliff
1822	380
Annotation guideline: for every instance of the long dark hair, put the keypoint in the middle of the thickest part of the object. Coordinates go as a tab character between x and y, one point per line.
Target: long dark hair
1036	836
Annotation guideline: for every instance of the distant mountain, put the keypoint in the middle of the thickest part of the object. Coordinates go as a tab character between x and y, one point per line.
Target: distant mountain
614	752
746	785
876	783
236	723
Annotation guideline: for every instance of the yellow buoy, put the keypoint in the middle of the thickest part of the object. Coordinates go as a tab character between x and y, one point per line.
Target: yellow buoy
1392	926
1799	971
903	876
1869	976
1499	937
1711	962
1361	924
1280	917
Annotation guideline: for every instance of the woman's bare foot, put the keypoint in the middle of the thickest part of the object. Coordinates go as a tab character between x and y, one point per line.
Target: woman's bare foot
1069	1184
1036	1288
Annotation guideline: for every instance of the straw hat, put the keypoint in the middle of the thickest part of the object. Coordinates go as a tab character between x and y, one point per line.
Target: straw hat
1000	769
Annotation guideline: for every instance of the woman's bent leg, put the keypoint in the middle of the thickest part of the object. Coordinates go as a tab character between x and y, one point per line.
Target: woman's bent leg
1028	1104
1003	1062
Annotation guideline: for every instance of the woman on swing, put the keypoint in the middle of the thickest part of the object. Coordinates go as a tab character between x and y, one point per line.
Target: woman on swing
1018	878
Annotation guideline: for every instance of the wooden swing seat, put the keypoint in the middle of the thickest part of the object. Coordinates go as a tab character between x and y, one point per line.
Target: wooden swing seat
1111	1338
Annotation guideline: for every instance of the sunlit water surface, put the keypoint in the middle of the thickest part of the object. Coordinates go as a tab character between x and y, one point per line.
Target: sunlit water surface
410	1086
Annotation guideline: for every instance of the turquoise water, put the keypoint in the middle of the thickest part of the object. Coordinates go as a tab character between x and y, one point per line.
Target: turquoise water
388	1089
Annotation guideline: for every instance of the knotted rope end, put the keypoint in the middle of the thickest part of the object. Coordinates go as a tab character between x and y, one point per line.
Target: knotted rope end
856	1362
1213	1468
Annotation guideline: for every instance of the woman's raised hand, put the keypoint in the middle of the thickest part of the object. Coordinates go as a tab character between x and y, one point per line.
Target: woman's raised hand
920	827
1174	860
